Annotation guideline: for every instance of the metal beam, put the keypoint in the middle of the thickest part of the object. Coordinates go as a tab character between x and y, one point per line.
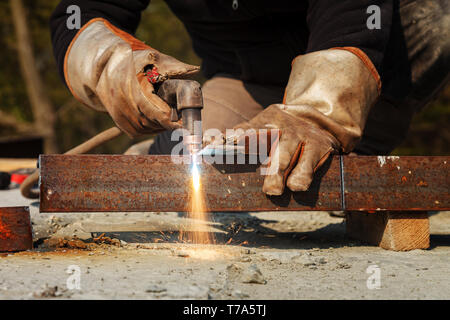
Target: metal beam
397	183
90	183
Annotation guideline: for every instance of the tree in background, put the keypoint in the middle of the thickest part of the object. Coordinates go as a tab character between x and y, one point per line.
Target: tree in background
430	130
41	106
73	123
21	111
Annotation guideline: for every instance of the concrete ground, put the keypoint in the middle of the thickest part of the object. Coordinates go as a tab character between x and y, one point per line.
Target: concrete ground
269	255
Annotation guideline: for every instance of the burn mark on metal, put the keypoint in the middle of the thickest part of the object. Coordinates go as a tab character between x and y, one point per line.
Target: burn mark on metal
90	183
15	229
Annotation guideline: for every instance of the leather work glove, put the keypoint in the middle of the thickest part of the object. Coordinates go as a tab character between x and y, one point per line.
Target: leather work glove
105	68
327	100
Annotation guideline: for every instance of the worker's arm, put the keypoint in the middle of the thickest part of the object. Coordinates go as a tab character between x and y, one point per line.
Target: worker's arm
329	94
103	64
344	24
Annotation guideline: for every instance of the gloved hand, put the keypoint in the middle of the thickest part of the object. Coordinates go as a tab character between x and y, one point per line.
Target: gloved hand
104	69
327	100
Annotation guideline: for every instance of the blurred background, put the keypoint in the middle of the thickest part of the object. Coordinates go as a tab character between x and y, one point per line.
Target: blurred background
49	118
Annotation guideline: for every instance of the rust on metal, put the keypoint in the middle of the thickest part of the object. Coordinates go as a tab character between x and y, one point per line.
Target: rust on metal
397	183
96	183
15	229
90	183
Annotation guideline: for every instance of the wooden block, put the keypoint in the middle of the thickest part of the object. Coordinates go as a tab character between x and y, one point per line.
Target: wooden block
391	230
15	229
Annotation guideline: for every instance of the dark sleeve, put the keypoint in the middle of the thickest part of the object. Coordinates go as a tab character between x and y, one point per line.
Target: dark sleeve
123	14
338	23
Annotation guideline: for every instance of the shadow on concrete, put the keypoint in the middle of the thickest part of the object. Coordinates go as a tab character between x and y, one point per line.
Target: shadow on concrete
248	231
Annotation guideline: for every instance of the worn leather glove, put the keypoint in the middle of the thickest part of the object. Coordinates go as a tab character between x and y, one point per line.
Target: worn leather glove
327	100
104	69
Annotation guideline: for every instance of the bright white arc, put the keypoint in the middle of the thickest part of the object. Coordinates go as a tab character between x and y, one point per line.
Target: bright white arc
195	177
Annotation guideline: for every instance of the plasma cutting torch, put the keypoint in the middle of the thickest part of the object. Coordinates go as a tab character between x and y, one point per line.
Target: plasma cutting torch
185	98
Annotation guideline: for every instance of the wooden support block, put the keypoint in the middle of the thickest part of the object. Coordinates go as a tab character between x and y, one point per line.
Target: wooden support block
15	229
391	230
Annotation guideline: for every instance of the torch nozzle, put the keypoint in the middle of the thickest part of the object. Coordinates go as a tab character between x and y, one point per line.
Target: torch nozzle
193	143
192	124
185	97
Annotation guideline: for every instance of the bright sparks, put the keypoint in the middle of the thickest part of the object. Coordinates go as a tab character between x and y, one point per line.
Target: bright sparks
195	177
197	213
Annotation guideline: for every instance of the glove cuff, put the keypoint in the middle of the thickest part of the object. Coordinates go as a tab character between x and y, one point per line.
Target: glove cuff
367	62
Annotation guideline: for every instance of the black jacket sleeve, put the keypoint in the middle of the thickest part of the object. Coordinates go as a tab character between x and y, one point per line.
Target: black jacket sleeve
123	14
344	23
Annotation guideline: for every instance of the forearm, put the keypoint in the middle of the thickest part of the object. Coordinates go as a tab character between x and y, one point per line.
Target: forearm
125	17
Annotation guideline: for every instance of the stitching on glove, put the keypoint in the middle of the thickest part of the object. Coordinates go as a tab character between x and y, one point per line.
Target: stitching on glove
294	160
323	159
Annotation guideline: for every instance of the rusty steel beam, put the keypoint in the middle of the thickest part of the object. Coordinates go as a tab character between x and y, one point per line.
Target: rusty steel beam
90	183
397	183
15	229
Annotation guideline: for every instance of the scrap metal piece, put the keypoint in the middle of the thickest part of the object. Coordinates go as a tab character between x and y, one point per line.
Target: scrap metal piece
90	183
15	229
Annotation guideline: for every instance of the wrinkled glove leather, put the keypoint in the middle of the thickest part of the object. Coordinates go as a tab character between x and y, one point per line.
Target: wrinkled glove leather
327	100
104	69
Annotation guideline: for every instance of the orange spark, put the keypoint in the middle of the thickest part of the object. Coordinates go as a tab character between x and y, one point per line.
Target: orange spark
197	213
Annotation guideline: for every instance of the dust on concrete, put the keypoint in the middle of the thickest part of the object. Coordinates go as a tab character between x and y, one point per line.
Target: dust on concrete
269	255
